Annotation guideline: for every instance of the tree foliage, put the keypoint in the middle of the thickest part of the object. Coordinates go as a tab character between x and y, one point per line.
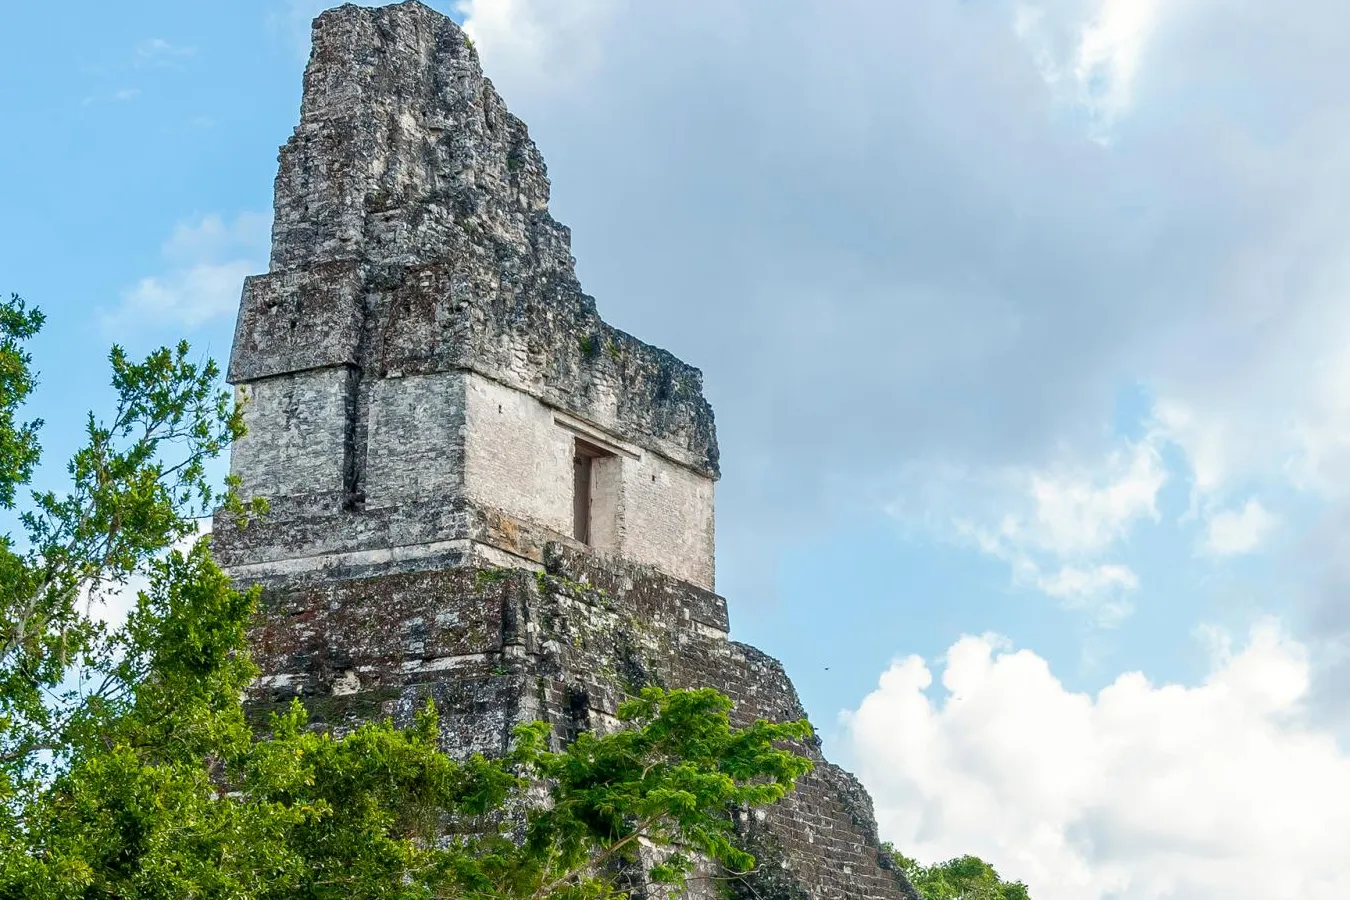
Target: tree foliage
174	798
963	878
128	770
134	488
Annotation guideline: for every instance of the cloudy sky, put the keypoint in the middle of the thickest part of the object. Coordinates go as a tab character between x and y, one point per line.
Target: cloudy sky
1026	325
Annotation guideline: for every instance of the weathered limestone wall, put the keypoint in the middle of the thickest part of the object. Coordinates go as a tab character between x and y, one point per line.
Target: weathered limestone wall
498	647
645	507
296	437
411	248
668	519
416	440
518	460
407	165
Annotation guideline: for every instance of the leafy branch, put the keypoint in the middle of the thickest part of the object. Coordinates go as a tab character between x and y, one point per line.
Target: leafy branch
135	489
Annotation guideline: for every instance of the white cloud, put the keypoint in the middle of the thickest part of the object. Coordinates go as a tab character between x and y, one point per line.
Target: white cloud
208	259
1090	55
1320	434
159	52
1054	526
1085	511
1141	792
1110	52
210	237
1205	441
1100	588
187	297
556	44
1232	532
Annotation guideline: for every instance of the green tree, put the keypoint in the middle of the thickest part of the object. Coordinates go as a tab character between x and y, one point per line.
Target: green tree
127	768
135	487
963	878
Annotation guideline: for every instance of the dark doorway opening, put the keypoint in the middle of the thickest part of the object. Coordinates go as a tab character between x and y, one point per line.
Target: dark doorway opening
584	458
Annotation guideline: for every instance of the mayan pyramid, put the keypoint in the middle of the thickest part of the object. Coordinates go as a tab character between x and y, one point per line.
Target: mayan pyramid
478	490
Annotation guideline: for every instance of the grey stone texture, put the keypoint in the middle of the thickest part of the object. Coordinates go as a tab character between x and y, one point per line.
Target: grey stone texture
413	251
495	647
418	365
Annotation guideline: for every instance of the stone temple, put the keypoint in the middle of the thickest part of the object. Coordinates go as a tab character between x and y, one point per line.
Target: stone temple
478	490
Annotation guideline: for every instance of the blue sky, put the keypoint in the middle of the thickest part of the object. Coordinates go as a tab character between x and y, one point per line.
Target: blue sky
1024	325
